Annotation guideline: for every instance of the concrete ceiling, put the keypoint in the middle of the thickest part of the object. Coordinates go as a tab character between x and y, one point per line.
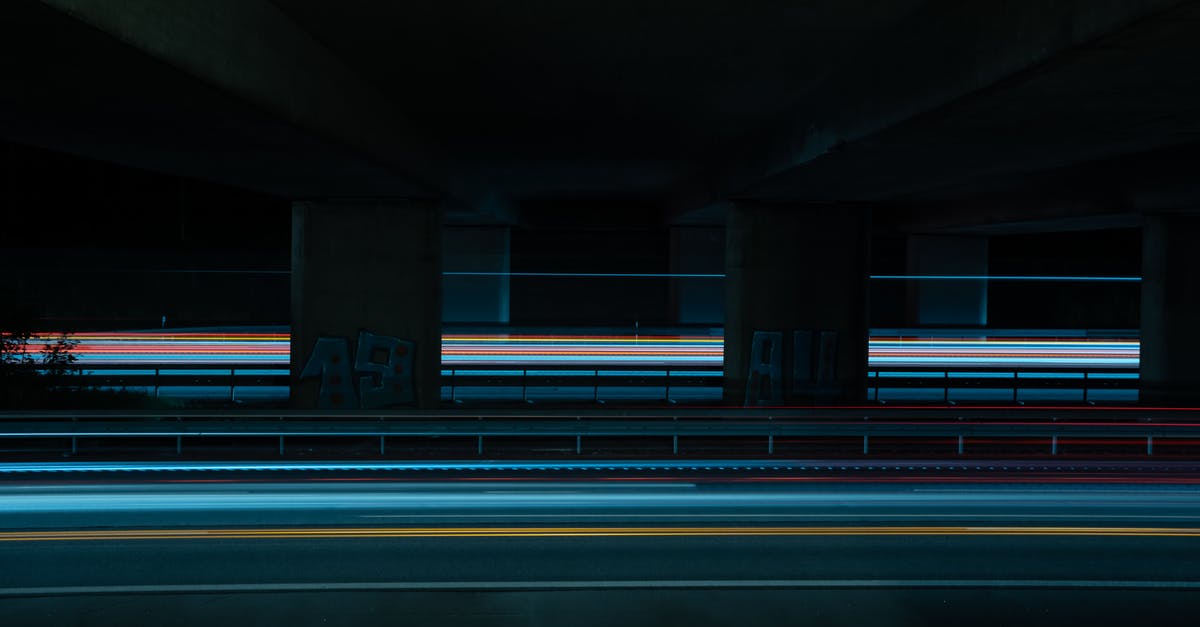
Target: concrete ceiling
676	106
546	97
1128	92
72	87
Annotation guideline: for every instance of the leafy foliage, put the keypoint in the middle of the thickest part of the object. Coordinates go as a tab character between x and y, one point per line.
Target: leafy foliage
30	378
57	360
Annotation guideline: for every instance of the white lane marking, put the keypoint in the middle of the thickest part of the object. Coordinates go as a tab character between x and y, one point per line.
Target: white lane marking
1149	488
681	584
532	492
262	500
796	516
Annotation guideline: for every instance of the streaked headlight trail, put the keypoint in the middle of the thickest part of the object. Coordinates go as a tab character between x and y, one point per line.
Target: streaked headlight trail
273	348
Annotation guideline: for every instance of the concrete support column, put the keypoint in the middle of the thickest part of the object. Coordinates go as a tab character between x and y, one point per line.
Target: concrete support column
366	304
698	250
948	302
1170	373
798	277
481	295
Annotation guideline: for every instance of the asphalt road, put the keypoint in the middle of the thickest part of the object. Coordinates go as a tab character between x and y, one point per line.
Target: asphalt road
597	551
828	558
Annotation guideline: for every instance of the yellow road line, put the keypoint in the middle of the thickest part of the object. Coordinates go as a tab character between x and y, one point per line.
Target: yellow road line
573	532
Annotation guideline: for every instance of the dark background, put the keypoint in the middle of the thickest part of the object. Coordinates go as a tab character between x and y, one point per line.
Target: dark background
93	245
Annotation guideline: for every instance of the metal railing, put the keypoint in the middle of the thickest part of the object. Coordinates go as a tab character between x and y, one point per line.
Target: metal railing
537	384
590	385
997	384
858	423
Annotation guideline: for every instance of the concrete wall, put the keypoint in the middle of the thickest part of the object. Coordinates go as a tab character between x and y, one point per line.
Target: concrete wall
698	250
941	302
476	299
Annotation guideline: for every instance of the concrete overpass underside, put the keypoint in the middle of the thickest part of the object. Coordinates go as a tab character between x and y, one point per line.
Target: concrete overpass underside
920	116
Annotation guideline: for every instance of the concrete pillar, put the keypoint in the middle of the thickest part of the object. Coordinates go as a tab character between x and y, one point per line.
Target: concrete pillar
366	285
482	296
798	276
1170	372
948	303
698	250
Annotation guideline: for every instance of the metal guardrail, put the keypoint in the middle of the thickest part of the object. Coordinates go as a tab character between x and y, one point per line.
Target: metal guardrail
1146	425
581	378
930	384
942	383
590	429
153	378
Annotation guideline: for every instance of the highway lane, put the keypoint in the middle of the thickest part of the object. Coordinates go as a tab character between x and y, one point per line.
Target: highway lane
539	550
834	576
830	558
208	501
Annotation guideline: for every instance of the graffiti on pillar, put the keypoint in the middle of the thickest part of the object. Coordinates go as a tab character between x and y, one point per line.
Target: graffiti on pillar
814	366
387	363
330	360
383	365
814	363
815	357
763	384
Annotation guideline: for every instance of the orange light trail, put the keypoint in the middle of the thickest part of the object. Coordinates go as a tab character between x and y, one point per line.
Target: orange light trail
576	532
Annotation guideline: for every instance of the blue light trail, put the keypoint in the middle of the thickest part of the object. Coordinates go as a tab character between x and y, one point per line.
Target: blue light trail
880	277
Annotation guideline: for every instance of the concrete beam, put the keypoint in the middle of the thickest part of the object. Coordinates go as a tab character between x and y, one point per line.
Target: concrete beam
1109	193
251	49
944	53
